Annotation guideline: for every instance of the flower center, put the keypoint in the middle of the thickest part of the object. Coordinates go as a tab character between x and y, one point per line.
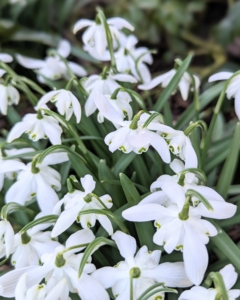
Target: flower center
60	260
25	238
135	272
88	198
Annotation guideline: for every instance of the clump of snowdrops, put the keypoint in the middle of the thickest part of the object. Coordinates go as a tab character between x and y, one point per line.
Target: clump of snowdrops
117	201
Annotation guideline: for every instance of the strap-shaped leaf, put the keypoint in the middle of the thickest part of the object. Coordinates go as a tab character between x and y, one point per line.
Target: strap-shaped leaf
117	182
42	220
12	207
200	198
91	248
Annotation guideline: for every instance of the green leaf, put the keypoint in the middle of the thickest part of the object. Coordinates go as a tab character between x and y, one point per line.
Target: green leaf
224	243
142	188
45	219
91	248
12	207
123	162
145	230
230	164
173	84
105	175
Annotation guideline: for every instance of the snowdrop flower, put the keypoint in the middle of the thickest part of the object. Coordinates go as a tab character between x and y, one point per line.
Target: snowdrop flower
180	227
233	90
129	139
179	144
60	264
229	277
30	246
40	181
7	238
129	58
164	79
9	95
65	101
95	35
78	201
6	58
12	165
144	268
221	208
120	104
40	291
105	84
52	67
38	126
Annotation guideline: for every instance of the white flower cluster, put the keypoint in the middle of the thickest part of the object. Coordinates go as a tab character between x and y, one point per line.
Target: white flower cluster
52	255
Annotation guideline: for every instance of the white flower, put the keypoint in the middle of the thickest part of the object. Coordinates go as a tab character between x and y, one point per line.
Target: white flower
105	85
41	291
198	293
129	58
40	184
54	270
65	101
38	126
8	95
95	35
52	67
221	208
120	104
188	234
79	201
144	267
6	58
179	144
184	84
233	90
7	238
12	165
127	139
29	247
229	277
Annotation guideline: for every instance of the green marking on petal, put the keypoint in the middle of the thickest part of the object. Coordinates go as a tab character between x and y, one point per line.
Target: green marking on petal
123	149
142	150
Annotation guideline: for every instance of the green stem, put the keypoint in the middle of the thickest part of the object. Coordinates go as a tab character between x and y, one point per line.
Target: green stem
109	37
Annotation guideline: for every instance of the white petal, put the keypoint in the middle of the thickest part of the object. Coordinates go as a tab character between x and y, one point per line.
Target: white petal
106	223
190	156
175	192
120	23
100	40
126	244
56	293
237	104
177	165
84	236
195	256
6	57
65	220
17	130
90	289
108	276
156	81
158	197
161	147
220	76
64	48
55	158
221	210
229	276
106	109
172	274
81	24
184	87
11	166
21	289
198	293
77	69
30	63
46	196
124	78
88	183
145	212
